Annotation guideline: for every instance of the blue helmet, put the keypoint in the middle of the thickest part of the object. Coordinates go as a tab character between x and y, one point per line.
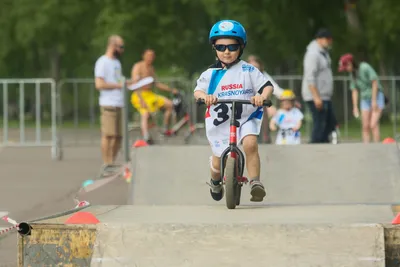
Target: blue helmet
228	29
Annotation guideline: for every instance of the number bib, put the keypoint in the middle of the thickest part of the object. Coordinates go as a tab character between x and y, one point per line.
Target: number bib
224	113
240	81
218	124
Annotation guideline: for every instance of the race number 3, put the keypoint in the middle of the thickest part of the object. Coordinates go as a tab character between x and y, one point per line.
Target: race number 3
222	113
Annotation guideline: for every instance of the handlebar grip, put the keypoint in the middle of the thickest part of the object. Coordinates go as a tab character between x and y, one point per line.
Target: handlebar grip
200	101
267	103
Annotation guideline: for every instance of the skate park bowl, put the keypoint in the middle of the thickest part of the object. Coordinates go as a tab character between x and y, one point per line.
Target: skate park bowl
326	205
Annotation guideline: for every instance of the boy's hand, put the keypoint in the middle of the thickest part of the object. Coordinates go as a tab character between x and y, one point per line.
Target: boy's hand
273	127
210	100
257	100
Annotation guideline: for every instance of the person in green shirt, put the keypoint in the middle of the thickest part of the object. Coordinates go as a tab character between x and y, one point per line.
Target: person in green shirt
366	88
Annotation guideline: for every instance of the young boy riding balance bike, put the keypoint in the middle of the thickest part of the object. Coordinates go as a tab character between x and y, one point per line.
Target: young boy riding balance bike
234	79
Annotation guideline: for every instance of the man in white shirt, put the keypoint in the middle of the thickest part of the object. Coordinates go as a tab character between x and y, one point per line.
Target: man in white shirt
108	80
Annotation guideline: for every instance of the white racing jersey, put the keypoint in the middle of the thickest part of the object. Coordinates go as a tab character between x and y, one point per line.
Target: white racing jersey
240	81
286	120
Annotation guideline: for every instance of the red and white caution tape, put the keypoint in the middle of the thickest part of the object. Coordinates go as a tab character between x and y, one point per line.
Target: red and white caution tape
8	230
11	221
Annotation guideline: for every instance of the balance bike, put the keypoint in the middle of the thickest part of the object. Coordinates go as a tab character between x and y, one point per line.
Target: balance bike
232	159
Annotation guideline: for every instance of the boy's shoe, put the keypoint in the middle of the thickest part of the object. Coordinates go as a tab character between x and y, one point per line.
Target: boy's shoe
257	191
216	190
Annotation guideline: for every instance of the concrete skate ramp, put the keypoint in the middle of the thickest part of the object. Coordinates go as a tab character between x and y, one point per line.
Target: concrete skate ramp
293	175
326	206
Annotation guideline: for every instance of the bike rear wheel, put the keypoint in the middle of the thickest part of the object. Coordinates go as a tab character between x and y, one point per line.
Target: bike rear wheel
231	183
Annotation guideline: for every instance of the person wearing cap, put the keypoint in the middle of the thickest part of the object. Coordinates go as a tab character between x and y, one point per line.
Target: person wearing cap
269	111
364	78
317	86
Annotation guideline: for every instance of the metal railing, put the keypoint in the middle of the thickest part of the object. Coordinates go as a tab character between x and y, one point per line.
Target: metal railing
32	103
342	98
39	112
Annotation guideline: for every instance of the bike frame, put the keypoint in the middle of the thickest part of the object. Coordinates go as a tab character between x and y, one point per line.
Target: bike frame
233	149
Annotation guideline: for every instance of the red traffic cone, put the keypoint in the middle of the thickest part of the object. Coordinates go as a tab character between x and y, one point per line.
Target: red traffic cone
82	217
396	219
388	140
140	143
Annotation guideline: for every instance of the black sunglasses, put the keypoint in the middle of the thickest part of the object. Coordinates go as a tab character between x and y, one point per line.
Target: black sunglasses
231	47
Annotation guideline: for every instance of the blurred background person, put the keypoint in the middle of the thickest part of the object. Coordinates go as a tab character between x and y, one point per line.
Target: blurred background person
108	81
367	91
317	86
287	120
269	111
145	100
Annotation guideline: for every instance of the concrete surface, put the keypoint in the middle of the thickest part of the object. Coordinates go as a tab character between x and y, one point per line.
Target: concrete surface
249	214
226	244
293	175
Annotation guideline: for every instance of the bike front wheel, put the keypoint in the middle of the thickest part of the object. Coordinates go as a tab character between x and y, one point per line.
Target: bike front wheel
231	184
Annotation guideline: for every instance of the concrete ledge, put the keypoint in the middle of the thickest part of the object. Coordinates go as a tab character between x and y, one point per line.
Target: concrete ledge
57	245
392	245
195	245
199	245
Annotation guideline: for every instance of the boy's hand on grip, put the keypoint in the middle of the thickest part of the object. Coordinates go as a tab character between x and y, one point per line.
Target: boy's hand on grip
257	100
210	100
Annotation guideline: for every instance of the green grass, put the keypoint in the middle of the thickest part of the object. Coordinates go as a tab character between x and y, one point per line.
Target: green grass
353	131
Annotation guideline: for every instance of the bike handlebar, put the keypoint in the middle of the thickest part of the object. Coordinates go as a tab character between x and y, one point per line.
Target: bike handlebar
266	103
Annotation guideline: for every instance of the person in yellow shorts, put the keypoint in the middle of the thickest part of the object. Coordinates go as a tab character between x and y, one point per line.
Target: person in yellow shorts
145	100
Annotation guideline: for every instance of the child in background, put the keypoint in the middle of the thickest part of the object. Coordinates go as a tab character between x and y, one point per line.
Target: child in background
288	119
